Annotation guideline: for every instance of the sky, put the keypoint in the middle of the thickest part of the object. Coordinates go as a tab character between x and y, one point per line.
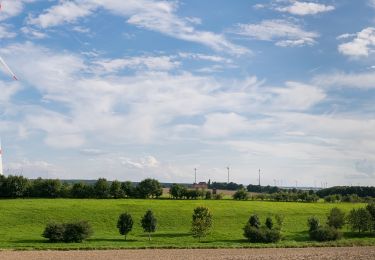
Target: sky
143	88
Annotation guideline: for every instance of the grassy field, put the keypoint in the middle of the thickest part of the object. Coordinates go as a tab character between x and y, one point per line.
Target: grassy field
22	222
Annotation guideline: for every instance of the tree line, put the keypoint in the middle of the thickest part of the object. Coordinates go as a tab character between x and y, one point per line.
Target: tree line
21	187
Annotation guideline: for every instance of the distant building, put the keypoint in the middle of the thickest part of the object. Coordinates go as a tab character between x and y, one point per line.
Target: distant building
201	185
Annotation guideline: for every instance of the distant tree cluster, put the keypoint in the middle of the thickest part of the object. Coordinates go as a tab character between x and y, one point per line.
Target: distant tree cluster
288	196
225	186
262	189
178	191
21	187
347	190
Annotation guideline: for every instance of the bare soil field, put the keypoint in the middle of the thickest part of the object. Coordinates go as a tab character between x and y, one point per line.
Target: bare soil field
347	253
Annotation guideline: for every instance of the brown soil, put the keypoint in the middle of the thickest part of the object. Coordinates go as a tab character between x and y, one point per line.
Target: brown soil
345	253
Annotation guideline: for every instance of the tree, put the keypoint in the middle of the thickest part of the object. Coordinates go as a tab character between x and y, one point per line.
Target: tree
125	224
313	223
254	221
15	186
177	191
269	222
149	188
202	222
101	188
128	189
359	219
82	190
115	190
149	223
240	194
371	209
336	218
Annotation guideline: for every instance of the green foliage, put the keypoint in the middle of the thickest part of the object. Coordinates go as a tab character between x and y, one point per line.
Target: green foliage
313	223
125	224
14	186
68	232
202	222
269	223
208	195
240	195
254	221
149	223
101	188
54	232
177	191
336	218
115	190
149	188
325	233
82	190
360	220
77	231
261	235
47	188
128	189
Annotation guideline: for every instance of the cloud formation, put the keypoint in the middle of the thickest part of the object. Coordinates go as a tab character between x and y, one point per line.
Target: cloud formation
283	32
305	8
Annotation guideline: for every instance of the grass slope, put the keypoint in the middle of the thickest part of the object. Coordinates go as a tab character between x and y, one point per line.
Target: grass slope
22	222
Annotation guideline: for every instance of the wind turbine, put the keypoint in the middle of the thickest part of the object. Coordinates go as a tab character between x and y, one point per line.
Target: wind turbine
228	168
3	63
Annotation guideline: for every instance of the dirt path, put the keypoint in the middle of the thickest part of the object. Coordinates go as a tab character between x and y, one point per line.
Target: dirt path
346	253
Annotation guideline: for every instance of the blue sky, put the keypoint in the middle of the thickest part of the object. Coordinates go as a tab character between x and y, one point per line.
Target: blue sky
134	89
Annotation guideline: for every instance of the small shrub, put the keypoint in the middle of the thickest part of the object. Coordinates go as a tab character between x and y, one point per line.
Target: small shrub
269	222
313	223
240	195
68	232
219	196
208	195
261	235
326	233
125	224
254	221
77	231
201	223
54	232
279	221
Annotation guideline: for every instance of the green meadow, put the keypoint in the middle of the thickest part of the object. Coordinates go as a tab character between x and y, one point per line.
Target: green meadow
22	222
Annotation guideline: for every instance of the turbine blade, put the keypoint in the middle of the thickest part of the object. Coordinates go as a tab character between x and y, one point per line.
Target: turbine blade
7	68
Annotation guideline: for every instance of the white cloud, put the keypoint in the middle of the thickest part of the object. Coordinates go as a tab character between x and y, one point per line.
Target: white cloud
149	62
363	80
297	96
32	168
306	8
33	33
283	32
11	8
6	32
361	46
152	15
224	124
140	163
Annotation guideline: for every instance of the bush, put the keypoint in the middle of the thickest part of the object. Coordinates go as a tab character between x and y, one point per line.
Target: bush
269	222
149	223
68	232
326	233
254	221
219	196
208	195
261	235
313	223
336	218
77	231
240	195
202	222
54	232
125	224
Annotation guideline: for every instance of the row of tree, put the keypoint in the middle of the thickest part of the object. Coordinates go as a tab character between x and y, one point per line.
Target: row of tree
359	220
21	187
348	190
